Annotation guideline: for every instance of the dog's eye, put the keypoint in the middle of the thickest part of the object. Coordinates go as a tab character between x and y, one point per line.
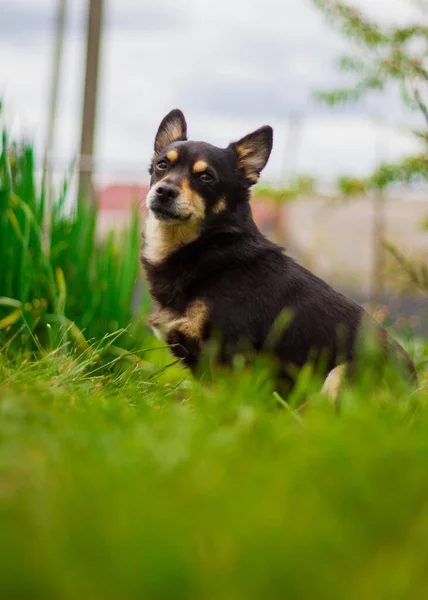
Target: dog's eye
206	177
162	165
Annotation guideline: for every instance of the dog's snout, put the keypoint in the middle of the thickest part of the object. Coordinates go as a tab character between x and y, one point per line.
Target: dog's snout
167	192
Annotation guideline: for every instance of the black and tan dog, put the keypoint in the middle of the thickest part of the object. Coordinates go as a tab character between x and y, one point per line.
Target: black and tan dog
210	269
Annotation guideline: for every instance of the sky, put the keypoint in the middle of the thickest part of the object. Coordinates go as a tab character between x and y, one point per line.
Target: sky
231	66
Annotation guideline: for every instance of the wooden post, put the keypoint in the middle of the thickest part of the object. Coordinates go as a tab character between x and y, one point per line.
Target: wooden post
53	109
292	148
378	238
379	222
86	192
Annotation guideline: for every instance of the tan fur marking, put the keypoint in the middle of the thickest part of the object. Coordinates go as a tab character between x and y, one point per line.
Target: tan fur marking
200	166
253	177
190	324
160	319
170	134
333	382
172	155
162	239
220	206
247	152
244	150
249	159
193	321
198	205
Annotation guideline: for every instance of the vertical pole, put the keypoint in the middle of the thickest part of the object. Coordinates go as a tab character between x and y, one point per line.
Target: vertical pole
379	230
292	147
53	109
290	166
378	226
86	193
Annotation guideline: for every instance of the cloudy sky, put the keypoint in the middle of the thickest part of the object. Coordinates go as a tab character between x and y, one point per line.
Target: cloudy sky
231	66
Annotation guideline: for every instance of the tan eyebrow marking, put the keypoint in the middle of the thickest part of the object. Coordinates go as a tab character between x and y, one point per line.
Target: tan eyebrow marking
200	166
172	155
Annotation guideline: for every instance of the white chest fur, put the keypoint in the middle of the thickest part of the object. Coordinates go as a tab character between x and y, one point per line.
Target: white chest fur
162	239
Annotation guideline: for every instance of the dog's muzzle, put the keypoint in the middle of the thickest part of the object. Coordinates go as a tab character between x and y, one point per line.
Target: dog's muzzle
162	201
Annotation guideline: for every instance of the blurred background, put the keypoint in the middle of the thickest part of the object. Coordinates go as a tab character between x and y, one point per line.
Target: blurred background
89	81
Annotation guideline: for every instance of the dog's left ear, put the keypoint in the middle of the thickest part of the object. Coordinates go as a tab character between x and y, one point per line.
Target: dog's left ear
172	128
253	152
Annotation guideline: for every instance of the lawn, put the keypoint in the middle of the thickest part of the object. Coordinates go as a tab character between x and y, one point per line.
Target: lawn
126	486
123	477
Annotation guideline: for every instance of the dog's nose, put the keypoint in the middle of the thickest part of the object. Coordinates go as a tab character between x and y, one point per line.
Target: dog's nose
167	192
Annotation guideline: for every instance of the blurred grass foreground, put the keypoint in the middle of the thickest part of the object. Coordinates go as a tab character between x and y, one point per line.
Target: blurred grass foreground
129	480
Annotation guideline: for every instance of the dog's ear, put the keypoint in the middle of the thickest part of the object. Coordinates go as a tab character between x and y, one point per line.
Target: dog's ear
253	152
172	128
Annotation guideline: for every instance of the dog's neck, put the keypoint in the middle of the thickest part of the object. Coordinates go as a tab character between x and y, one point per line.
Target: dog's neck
163	239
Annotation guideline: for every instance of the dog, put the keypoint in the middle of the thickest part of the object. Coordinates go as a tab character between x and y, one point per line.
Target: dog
213	274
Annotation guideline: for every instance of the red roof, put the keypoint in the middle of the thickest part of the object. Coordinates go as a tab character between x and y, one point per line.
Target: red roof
121	197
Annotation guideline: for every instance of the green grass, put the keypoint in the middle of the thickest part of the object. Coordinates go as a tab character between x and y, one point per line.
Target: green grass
138	486
71	276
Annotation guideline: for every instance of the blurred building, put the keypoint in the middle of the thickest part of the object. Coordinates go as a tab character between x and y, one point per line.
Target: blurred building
115	202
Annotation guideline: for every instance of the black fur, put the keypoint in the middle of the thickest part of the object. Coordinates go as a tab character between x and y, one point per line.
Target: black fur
246	281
